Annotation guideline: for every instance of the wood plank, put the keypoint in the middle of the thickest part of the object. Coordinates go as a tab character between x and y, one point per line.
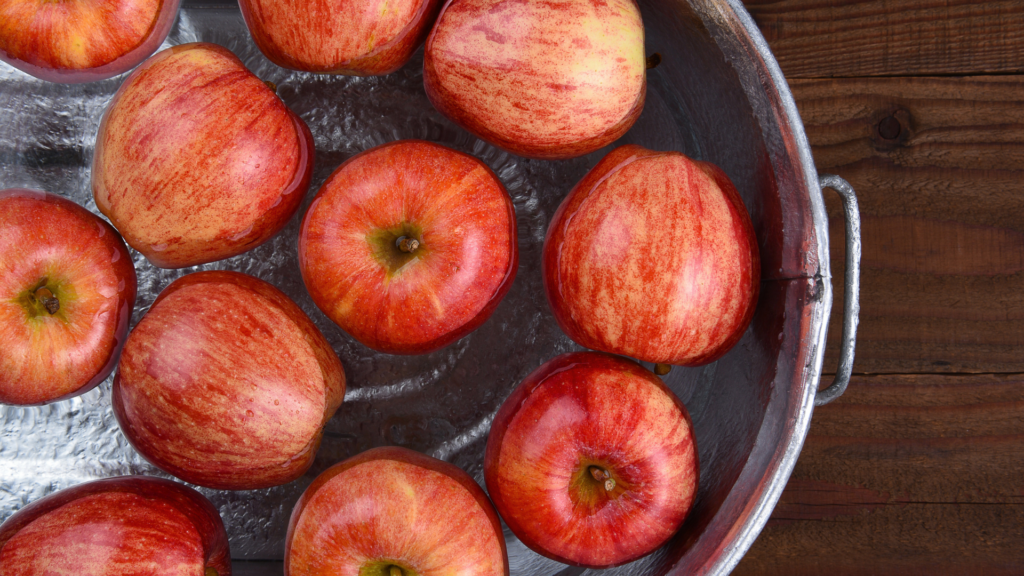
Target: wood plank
905	475
816	39
941	198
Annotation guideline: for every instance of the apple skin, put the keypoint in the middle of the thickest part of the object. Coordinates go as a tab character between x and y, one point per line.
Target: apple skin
77	41
117	526
582	410
197	159
226	383
393	506
652	255
452	204
48	241
354	37
549	80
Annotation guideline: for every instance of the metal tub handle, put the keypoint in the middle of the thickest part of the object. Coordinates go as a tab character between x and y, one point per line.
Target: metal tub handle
851	296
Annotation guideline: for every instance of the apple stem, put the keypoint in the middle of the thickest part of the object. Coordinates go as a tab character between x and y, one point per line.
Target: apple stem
273	87
662	369
406	244
602	475
653	60
50	301
394	571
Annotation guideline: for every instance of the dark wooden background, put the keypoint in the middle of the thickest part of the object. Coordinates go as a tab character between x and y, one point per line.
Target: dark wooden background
919	467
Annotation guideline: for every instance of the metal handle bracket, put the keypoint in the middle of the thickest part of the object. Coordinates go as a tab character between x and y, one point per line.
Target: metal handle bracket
851	295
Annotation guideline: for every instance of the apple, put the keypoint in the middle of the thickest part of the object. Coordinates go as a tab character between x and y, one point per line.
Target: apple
81	40
394	512
548	80
592	460
409	246
653	255
197	159
358	37
67	290
226	383
116	526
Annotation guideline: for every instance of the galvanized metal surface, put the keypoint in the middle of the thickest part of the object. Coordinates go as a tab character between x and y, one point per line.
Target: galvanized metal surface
718	95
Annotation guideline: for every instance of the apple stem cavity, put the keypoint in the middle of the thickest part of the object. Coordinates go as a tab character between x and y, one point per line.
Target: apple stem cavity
662	369
44	295
406	244
602	475
653	60
395	571
211	571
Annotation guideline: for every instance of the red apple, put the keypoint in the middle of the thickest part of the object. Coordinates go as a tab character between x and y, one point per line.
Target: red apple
592	461
82	40
409	246
359	37
226	383
546	80
653	255
67	289
197	159
116	527
394	512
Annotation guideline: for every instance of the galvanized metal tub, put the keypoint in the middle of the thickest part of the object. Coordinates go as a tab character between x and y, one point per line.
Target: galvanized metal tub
718	95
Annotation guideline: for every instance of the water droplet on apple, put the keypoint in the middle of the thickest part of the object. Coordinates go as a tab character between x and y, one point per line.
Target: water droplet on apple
277	402
249	413
159	247
115	257
277	201
241	234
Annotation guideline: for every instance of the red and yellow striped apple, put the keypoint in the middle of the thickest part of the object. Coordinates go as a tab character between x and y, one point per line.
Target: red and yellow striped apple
652	255
357	37
82	40
117	526
592	460
409	246
226	383
197	159
67	290
552	80
394	512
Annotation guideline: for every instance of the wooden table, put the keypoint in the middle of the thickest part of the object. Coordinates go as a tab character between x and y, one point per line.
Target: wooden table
919	467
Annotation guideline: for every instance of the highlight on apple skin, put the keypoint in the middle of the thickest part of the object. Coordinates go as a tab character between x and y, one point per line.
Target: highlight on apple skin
394	512
67	290
114	526
226	383
197	159
409	246
75	41
652	255
353	37
549	80
592	461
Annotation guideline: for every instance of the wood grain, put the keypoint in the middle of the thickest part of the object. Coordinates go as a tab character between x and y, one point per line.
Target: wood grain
817	39
943	264
905	475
